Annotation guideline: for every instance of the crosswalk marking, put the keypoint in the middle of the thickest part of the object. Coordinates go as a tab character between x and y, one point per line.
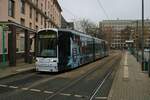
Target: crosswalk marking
48	92
1	85
79	96
65	94
13	87
35	90
101	98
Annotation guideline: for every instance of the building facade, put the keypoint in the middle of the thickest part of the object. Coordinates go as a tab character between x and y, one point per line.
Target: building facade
22	18
65	24
117	32
34	14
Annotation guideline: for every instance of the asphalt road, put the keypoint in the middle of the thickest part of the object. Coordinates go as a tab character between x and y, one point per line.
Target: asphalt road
77	84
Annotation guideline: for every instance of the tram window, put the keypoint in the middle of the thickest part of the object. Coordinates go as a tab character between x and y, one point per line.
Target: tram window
47	44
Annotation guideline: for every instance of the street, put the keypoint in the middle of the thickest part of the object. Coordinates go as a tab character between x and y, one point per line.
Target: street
89	82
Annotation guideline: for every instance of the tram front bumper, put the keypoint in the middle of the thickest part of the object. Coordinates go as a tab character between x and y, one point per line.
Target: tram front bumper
46	67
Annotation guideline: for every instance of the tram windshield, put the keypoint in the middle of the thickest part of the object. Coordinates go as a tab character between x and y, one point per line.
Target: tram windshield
47	44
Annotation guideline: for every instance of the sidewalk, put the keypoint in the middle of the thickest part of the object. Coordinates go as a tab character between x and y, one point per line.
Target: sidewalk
130	82
20	68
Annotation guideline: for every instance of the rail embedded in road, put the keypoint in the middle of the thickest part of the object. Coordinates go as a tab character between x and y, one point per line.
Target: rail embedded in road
78	83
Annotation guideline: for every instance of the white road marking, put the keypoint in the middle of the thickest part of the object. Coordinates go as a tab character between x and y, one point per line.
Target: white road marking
78	96
126	70
125	60
1	85
65	94
35	90
13	87
25	89
101	98
48	92
100	86
126	73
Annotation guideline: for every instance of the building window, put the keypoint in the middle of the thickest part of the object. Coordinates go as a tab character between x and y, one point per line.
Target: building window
45	23
22	6
21	44
41	20
37	2
30	12
48	4
11	8
30	25
37	28
36	16
22	21
41	6
48	14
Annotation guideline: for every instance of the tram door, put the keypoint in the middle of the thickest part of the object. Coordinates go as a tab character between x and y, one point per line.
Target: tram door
63	49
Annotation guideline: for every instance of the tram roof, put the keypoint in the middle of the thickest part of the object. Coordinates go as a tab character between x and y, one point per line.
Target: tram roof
54	29
72	31
76	32
81	34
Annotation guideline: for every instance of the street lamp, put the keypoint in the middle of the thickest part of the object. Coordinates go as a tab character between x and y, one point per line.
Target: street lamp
142	37
137	44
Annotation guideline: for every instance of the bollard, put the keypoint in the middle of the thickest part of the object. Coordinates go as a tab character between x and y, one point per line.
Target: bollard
146	65
137	56
30	59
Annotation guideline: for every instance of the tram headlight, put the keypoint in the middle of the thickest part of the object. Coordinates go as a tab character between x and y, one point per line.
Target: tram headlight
37	60
52	60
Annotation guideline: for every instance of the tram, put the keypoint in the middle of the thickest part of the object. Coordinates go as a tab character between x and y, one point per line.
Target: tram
63	49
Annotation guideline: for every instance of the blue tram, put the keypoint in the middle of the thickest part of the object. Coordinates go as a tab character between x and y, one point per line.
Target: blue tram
63	49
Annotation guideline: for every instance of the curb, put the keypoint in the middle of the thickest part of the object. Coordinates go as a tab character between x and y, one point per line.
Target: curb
18	73
110	94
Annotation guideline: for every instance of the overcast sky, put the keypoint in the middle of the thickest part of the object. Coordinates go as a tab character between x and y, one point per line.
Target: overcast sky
90	9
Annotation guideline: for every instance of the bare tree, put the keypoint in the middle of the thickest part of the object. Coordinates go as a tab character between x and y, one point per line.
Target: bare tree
87	26
82	25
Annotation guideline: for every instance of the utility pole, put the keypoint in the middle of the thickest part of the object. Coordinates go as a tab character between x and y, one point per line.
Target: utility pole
137	42
149	62
142	36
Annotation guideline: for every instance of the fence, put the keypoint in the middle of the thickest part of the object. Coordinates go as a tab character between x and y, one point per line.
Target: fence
138	55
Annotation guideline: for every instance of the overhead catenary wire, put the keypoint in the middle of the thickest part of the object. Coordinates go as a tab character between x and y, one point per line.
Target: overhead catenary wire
104	11
76	17
71	13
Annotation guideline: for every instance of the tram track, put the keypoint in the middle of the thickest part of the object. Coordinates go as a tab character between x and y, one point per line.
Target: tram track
101	82
24	82
25	78
78	79
50	86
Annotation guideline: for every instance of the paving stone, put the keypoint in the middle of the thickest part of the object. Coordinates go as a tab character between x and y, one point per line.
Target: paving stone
137	87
